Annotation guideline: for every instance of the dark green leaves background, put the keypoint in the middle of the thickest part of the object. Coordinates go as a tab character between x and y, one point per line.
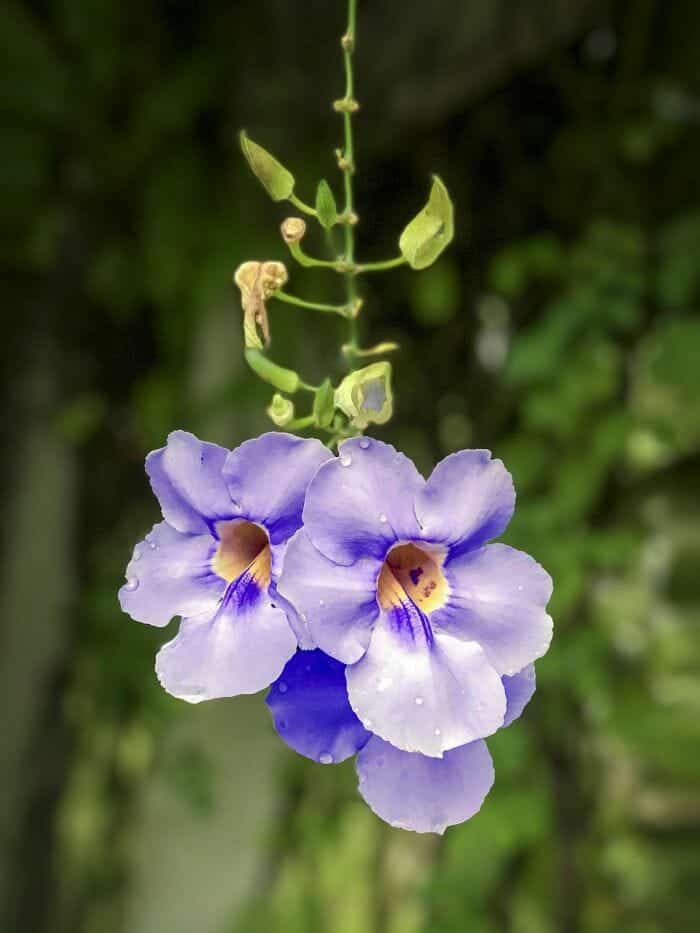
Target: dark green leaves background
561	329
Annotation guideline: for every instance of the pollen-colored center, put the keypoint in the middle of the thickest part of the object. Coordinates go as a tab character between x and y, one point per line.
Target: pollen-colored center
415	573
242	546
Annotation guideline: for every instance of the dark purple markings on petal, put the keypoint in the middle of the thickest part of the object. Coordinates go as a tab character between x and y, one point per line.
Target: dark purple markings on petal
426	795
426	697
498	597
170	574
361	503
241	648
468	500
520	688
186	477
310	709
268	477
408	621
337	603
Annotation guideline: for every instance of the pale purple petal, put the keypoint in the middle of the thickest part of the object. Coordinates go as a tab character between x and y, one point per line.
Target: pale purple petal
498	597
241	648
468	500
425	695
337	603
310	709
186	477
361	503
520	689
426	795
170	575
267	478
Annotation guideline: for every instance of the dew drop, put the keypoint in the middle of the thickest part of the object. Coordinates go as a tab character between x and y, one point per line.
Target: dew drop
322	602
345	460
364	443
282	687
520	588
367	723
152	545
438	732
419	701
325	758
131	584
383	519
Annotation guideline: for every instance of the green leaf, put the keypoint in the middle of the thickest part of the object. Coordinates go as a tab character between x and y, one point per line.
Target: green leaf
324	404
286	380
326	207
430	231
272	175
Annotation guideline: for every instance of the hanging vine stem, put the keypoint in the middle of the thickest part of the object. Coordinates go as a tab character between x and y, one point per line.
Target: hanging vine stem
346	163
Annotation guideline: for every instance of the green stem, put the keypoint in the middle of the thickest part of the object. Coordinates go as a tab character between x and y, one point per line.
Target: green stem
380	266
342	310
308	262
304	208
347	165
300	423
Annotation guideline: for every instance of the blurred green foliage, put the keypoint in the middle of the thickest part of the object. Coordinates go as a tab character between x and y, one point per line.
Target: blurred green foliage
561	329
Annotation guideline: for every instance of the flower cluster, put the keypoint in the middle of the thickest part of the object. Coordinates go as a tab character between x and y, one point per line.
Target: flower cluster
367	596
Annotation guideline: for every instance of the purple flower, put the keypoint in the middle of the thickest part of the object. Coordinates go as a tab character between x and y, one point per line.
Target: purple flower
311	712
395	579
216	559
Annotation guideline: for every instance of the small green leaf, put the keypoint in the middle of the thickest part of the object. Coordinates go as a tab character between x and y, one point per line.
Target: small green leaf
273	176
430	231
326	207
324	404
286	380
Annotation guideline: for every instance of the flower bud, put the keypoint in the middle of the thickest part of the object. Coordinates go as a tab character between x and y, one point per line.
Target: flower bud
293	230
286	380
272	175
365	395
281	410
430	231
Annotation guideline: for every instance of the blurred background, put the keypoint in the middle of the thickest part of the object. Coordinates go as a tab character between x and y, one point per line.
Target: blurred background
560	330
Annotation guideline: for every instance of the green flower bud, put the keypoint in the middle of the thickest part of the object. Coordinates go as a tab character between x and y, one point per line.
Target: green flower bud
326	208
365	395
430	231
281	410
286	380
272	175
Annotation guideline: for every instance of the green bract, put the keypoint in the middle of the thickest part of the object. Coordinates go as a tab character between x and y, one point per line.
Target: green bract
430	231
365	395
272	175
326	207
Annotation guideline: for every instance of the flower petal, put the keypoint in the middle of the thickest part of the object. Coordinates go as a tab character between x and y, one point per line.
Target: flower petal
310	709
241	648
425	696
337	603
361	502
520	688
426	795
187	480
468	500
170	575
498	597
267	478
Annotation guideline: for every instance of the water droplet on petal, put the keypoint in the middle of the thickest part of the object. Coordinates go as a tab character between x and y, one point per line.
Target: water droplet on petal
419	701
322	602
367	723
383	519
282	687
152	545
438	732
364	443
345	460
131	584
325	758
520	588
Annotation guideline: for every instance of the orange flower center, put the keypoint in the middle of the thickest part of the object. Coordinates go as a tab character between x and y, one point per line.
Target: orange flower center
414	573
243	546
